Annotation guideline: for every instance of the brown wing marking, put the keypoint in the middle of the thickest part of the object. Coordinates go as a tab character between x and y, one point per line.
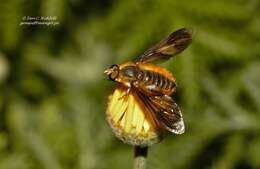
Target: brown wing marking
166	112
175	43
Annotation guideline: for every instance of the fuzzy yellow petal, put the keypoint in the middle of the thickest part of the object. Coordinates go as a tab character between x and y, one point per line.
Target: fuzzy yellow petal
120	110
135	114
114	101
146	126
129	118
129	113
140	120
116	106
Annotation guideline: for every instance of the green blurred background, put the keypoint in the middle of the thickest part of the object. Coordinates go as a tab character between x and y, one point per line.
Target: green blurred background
53	91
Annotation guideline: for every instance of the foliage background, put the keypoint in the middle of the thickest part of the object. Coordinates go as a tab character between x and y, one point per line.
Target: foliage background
53	91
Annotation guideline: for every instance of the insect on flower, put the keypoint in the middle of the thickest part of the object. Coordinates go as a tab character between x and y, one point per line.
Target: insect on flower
141	108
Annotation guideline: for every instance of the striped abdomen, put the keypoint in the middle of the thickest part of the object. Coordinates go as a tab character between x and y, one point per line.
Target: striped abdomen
154	82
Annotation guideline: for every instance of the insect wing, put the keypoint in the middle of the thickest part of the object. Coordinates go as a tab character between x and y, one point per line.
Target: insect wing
166	112
175	43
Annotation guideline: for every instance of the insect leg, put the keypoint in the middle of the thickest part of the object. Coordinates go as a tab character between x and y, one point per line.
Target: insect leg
125	95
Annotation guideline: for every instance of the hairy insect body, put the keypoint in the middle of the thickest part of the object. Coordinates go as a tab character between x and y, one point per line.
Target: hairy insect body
141	107
147	80
155	83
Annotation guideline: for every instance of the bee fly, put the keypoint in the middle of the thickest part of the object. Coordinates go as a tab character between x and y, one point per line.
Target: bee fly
141	107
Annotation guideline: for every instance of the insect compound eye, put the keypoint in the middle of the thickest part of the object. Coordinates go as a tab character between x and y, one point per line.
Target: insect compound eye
114	66
114	73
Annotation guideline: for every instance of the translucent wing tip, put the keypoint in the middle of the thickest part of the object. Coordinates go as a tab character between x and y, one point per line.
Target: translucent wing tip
179	127
190	31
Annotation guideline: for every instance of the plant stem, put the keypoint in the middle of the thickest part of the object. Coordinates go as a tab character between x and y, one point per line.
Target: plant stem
140	156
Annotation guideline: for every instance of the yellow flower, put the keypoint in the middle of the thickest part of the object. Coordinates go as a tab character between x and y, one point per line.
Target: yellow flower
130	120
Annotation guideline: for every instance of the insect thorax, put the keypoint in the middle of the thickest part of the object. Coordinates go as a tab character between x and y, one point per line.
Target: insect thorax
129	73
146	79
